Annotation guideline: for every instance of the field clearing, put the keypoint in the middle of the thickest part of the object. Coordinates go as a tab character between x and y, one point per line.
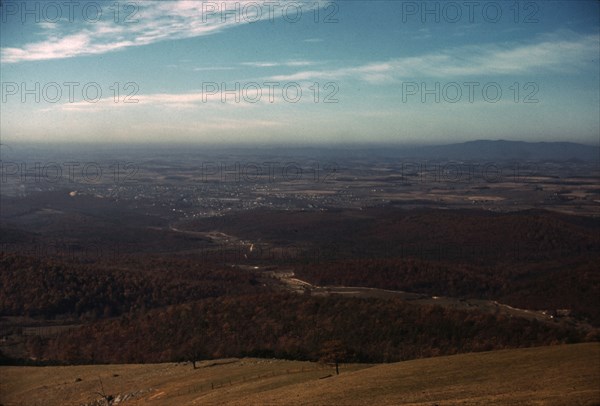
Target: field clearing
557	375
488	306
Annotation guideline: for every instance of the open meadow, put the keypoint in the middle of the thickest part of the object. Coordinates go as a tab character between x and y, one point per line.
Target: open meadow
555	375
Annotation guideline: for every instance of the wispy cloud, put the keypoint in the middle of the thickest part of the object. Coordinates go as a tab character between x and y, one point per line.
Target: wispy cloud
550	53
199	127
212	97
278	64
423	33
212	68
177	101
156	21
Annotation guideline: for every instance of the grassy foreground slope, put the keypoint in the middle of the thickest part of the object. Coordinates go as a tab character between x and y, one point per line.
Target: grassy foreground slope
560	375
557	375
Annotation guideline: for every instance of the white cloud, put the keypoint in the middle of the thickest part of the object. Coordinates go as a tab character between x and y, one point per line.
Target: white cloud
260	64
163	100
155	21
198	127
276	64
549	53
259	94
212	68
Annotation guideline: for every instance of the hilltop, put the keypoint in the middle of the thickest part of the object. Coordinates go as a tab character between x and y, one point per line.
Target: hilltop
565	374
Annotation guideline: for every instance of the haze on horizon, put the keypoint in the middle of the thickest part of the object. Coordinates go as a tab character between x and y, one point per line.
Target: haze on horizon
300	73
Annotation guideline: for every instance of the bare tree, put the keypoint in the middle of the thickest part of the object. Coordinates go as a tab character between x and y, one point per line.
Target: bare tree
195	351
108	398
334	351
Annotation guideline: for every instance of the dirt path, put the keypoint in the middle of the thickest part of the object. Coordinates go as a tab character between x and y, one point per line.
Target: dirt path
289	281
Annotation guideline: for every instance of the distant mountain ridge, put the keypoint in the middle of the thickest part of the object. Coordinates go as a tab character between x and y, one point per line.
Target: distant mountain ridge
502	149
477	150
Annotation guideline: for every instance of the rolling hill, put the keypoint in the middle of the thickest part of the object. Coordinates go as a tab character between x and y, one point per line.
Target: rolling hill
555	375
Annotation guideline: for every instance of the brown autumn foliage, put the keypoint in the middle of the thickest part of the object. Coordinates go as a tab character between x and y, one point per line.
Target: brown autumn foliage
296	327
168	307
574	284
48	288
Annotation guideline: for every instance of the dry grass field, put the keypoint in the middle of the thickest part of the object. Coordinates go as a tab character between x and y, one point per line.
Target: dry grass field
557	375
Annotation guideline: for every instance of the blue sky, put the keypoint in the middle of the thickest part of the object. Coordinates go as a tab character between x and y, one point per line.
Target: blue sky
353	71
